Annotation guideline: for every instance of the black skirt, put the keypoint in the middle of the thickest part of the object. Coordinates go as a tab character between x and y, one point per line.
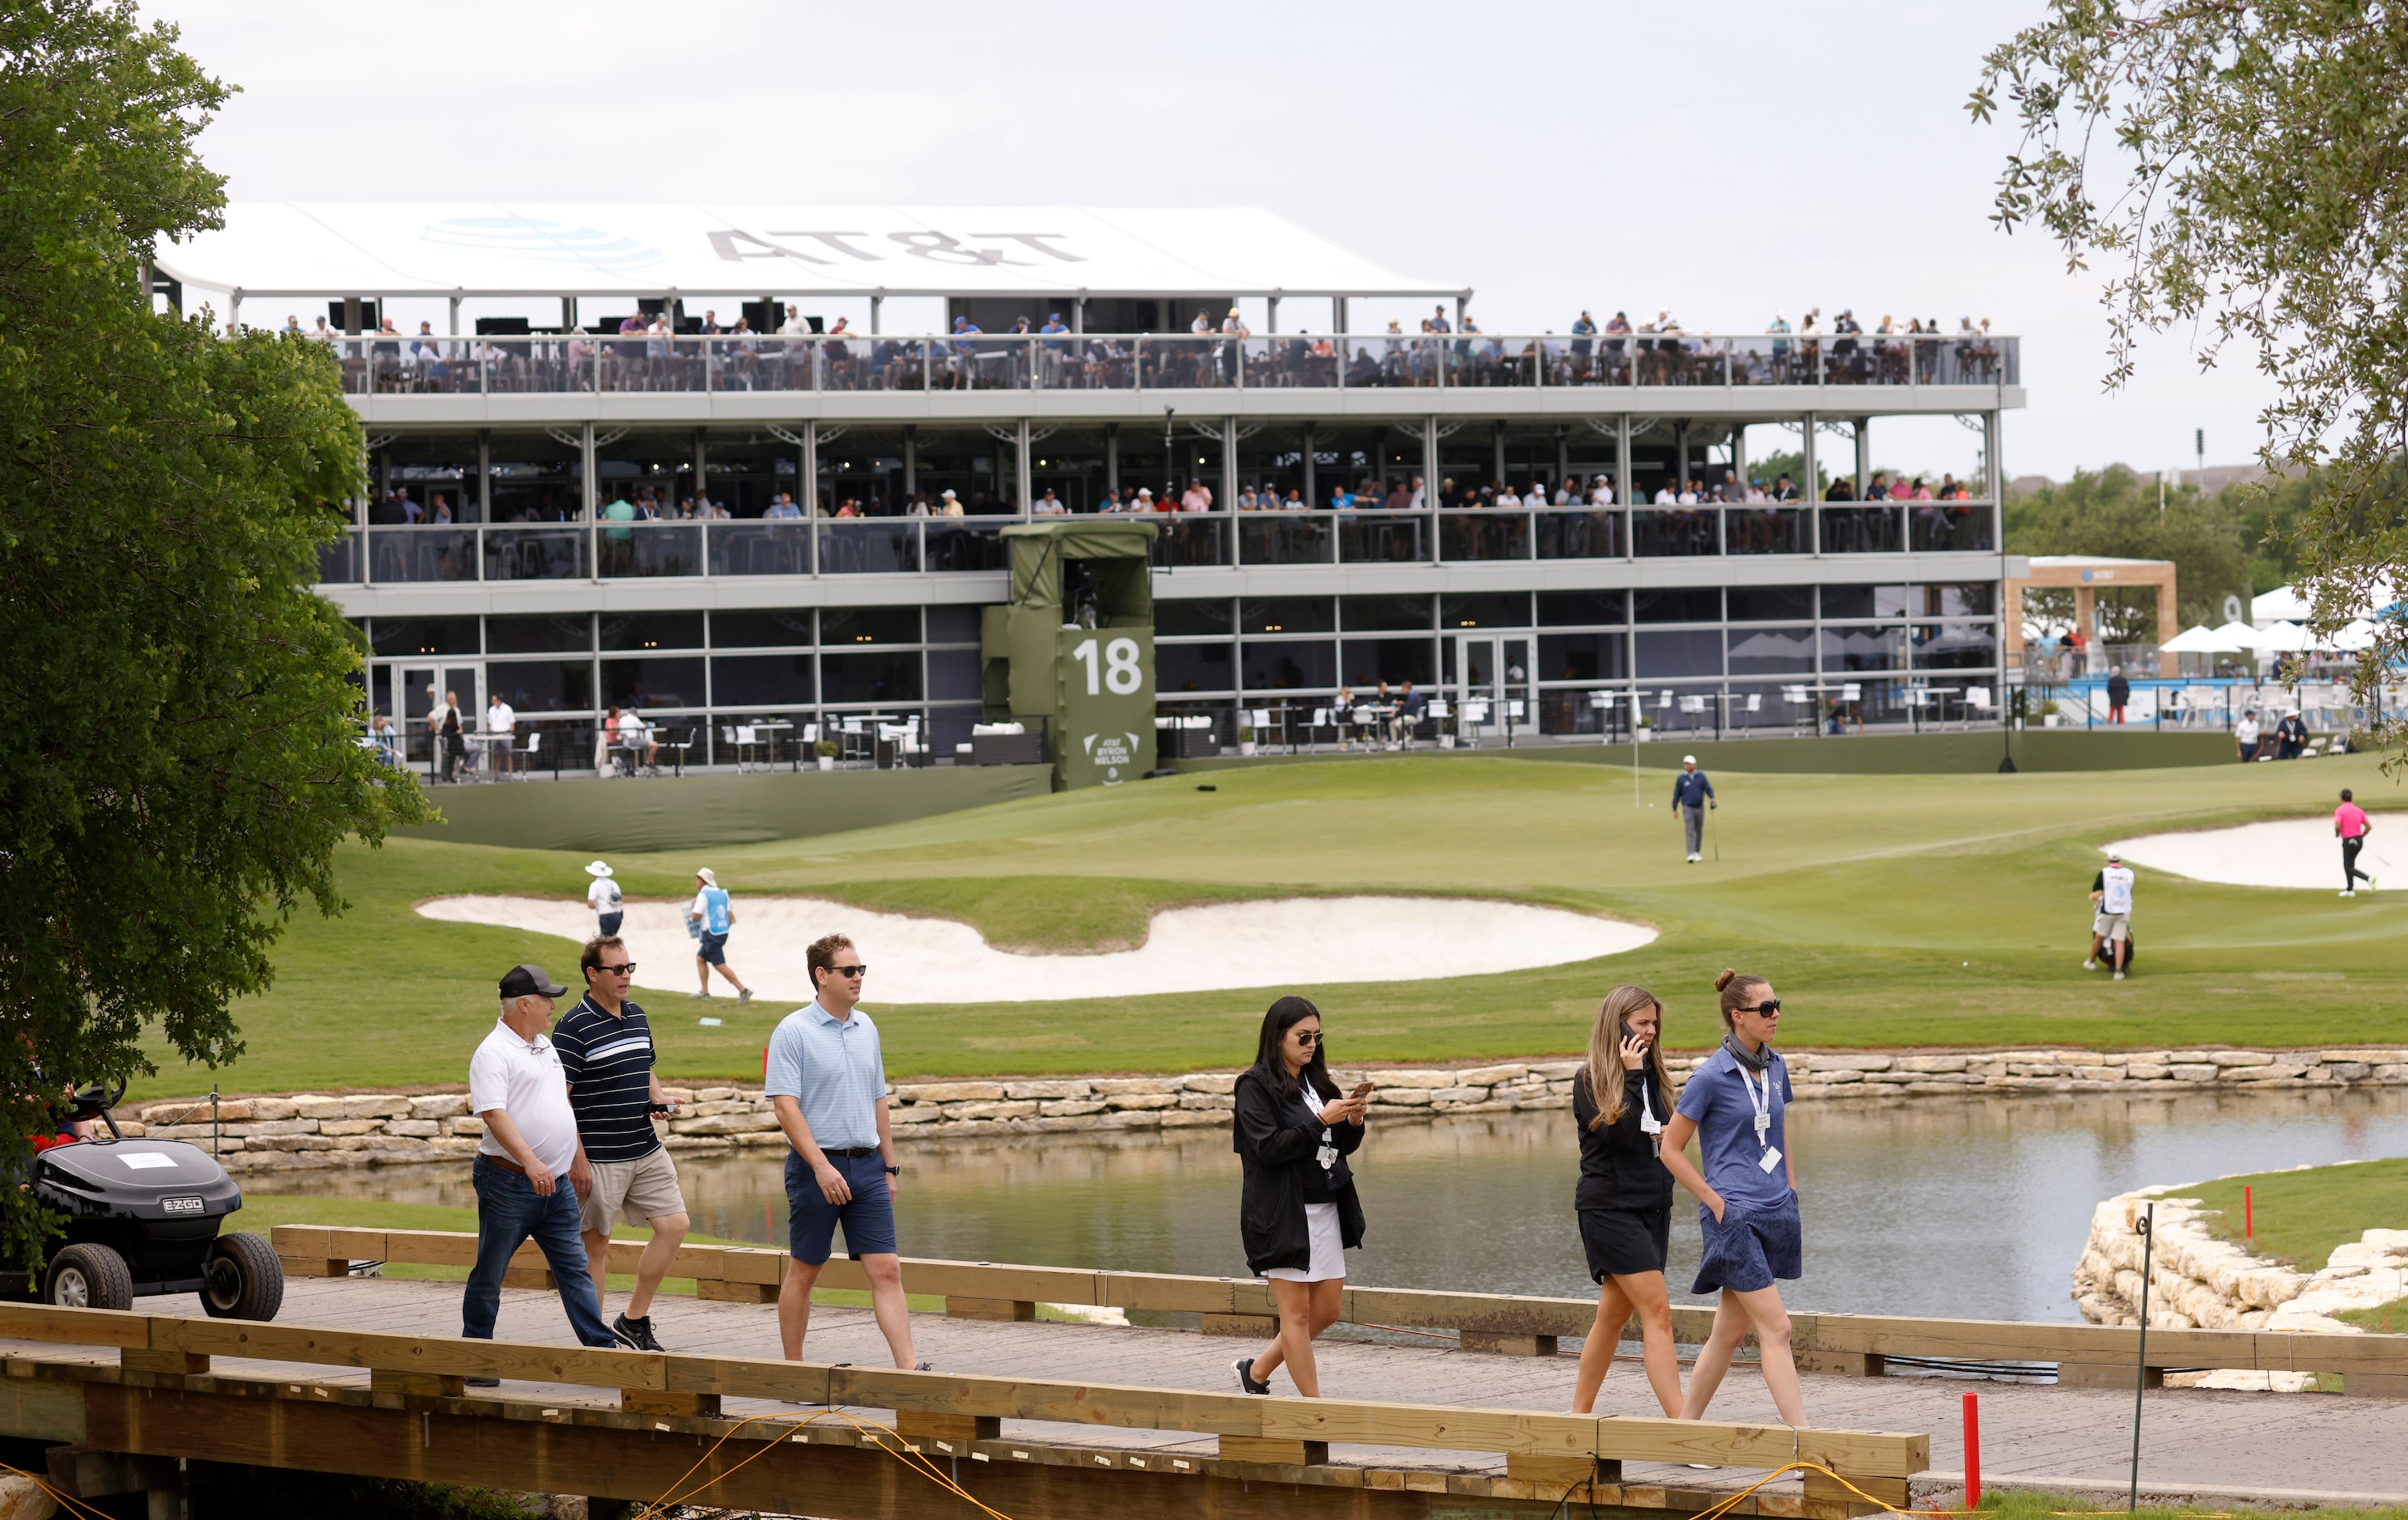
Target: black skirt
1621	1241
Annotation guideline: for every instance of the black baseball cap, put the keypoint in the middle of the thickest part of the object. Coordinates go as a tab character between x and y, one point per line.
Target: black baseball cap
527	977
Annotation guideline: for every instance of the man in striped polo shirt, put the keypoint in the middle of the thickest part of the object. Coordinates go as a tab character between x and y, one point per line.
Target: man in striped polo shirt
606	1051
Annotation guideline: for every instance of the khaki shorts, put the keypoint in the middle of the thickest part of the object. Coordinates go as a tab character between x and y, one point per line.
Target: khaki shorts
2112	927
641	1190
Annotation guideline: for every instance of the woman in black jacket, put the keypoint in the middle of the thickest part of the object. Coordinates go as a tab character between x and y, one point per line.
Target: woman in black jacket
1299	1214
1621	1100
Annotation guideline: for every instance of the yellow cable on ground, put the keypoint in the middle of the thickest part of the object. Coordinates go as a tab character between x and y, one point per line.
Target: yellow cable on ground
65	1501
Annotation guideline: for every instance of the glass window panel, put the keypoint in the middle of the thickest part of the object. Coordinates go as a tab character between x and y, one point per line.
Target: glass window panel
572	634
877	676
1566	608
1772	651
1687	651
1287	614
1863	602
842	625
1583	656
1508	610
1172	619
1701	605
1386	614
1195	667
423	635
654	682
1975	599
1368	662
531	686
1291	665
751	681
1772	604
761	630
1864	648
651	630
953	625
1956	646
954	674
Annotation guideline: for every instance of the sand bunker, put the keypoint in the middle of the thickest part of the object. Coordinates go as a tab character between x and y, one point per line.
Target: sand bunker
2294	852
1297	941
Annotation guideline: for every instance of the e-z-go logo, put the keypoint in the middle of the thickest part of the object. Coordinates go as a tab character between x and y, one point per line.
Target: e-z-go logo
828	247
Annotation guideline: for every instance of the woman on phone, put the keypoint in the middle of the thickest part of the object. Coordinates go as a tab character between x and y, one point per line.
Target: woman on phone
1621	1101
1747	1197
1299	1214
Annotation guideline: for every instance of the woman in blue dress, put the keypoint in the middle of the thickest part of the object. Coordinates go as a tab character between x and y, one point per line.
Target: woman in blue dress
1735	1103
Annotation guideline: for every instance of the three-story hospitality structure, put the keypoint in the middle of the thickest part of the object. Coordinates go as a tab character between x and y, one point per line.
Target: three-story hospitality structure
575	358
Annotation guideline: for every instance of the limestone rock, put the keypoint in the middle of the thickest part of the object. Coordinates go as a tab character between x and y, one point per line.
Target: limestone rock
951	1091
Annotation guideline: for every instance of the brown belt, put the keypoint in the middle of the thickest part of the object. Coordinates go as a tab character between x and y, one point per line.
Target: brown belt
502	1161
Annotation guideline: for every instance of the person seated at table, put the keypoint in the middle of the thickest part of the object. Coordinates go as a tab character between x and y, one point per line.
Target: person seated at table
1410	705
1344	710
384	740
641	739
606	739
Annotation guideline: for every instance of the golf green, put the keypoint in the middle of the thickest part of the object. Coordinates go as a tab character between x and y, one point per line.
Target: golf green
1887	909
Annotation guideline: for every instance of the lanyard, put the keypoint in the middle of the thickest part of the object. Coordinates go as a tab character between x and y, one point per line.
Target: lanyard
1327	1154
1760	1098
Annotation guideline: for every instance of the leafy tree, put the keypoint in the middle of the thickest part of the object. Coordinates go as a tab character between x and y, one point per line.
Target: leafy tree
2237	164
178	755
2114	513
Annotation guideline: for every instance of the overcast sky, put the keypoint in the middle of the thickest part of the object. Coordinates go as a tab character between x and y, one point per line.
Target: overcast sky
1720	161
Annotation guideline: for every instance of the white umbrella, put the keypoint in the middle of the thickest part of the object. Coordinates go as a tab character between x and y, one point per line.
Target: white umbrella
2357	635
2199	641
2238	636
2286	639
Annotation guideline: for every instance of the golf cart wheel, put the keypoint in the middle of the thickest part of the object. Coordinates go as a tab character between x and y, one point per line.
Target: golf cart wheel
243	1279
88	1277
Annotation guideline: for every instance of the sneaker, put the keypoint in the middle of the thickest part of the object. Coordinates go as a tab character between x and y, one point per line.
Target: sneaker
744	995
2119	975
2369	886
1693	859
2090	966
704	994
483	1382
1244	1367
2347	893
635	1334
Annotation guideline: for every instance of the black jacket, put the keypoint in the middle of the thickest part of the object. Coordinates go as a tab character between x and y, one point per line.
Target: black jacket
2119	691
1619	1167
1275	1150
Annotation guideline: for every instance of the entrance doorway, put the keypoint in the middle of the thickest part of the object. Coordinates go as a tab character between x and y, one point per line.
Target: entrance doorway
419	690
1495	687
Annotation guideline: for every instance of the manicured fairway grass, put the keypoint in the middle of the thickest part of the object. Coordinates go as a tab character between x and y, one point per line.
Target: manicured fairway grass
1888	910
2301	1215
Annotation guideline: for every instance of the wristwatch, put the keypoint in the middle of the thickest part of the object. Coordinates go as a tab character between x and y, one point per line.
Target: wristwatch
893	1171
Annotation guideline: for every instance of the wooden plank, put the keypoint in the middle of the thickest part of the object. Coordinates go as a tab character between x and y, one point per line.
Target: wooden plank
919	1425
1166	1292
1286	1453
1005	1309
360	1244
1365	1423
299	1241
74	1326
41	1409
427	1247
1638	1439
797	1383
415	1385
1250	1326
668	1401
157	1359
735	1293
1492	1344
591	1365
1866	1454
1496	1313
752	1266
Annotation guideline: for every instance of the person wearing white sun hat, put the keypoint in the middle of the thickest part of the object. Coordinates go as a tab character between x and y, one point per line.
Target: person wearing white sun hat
604	897
715	917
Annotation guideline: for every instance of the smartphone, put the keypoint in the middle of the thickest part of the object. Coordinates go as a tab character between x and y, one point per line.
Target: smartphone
1360	1088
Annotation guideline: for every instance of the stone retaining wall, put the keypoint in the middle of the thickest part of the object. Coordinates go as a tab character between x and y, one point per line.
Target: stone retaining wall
312	1130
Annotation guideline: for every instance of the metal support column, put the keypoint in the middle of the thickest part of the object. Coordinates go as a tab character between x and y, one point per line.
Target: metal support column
1311	498
484	475
911	460
1864	453
1812	486
1497	454
1079	314
1112	456
1563	457
876	304
589	499
1021	483
1273	324
1429	463
1229	465
455	316
1738	453
701	470
810	465
1623	488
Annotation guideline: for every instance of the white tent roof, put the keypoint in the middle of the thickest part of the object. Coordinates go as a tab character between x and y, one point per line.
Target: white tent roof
2291	604
473	249
2200	640
2286	639
2237	635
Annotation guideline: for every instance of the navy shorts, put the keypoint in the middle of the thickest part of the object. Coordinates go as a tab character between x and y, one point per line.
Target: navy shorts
812	1220
1749	1248
713	949
608	923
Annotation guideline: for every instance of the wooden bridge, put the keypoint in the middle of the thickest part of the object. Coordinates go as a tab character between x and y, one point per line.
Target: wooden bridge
1039	1418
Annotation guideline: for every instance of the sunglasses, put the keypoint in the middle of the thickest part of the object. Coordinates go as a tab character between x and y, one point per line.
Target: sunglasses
1769	1006
1305	1036
627	969
851	970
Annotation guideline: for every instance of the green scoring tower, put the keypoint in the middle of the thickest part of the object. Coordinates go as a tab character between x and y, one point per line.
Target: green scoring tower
1075	646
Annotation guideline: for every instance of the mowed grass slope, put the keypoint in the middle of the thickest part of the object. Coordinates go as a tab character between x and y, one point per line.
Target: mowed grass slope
1889	911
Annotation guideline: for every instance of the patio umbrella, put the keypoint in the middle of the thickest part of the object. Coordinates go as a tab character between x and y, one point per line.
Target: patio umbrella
2199	641
2286	639
2240	635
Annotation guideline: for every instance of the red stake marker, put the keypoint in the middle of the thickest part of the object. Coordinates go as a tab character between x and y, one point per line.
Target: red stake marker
1973	1453
2248	1214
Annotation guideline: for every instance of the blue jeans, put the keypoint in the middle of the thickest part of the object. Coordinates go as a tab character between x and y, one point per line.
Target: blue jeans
509	1211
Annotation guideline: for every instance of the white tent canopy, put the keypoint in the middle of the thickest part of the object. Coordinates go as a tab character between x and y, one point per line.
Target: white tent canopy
2291	604
2200	640
484	249
2237	635
2286	639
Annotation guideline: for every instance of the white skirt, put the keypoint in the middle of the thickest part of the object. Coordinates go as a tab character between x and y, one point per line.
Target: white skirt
1328	1249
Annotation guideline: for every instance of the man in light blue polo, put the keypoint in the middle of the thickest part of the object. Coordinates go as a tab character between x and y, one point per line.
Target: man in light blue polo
828	1081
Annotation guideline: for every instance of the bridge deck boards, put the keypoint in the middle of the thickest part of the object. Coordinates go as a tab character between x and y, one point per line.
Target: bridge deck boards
2193	1438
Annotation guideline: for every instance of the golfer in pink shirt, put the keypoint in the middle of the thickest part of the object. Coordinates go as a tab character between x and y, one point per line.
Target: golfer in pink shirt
2350	826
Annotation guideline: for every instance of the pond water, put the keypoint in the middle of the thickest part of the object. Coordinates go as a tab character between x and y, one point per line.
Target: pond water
1974	1207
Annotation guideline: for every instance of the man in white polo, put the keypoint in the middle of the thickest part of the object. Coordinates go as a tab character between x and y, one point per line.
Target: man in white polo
516	1087
2111	930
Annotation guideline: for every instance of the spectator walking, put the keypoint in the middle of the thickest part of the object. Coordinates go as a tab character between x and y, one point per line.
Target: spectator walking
826	1078
1692	795
2290	735
2244	736
1624	1201
606	1051
715	916
2350	826
2120	692
2111	930
517	1089
1735	1104
444	723
604	897
1297	1215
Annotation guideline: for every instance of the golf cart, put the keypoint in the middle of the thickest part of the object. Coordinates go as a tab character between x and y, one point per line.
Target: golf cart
142	1219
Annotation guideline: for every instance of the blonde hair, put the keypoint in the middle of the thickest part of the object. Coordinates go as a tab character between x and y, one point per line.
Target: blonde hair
1736	988
1604	1068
